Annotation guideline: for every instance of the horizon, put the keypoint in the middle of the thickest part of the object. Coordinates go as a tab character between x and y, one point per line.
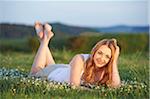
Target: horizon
77	25
84	14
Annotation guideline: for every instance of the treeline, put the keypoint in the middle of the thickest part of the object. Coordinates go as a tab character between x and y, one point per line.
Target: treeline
128	43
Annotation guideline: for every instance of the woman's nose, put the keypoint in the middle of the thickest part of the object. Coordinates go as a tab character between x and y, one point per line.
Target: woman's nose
103	58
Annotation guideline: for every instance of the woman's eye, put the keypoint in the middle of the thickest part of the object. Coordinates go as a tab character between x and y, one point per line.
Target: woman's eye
100	53
107	57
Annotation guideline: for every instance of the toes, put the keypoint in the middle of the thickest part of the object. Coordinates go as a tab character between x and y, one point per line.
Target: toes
48	27
48	31
39	29
37	22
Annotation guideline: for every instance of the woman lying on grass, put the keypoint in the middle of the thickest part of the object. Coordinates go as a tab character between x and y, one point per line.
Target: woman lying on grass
99	67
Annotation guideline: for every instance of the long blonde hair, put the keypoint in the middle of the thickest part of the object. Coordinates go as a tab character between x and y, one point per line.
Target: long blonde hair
91	73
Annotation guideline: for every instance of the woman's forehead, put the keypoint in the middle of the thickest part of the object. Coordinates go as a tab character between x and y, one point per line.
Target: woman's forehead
105	49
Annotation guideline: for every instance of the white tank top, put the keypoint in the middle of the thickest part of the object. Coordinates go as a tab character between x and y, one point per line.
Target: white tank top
62	74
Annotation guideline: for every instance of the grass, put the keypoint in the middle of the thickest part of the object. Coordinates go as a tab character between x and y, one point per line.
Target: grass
14	82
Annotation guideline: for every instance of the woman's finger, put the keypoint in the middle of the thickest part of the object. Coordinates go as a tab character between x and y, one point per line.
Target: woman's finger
115	41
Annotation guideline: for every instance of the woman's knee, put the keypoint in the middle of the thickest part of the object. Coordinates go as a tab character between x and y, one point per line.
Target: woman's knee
34	70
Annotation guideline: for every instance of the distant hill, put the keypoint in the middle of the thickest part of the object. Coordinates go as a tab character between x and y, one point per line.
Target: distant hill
15	31
21	31
71	30
61	30
124	29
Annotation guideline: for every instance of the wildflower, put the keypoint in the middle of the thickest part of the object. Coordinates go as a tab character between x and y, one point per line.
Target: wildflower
28	80
73	87
97	87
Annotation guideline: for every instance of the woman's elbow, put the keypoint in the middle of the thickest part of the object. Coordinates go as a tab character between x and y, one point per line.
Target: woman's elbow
74	83
115	84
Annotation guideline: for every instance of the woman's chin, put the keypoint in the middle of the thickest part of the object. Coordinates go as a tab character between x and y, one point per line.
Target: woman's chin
99	65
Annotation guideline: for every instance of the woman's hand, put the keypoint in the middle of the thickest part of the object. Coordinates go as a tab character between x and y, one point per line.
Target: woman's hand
117	51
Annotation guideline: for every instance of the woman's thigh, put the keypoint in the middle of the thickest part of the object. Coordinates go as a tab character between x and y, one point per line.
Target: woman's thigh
48	69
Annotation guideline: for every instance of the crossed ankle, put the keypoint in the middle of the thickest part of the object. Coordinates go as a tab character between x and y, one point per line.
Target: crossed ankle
44	42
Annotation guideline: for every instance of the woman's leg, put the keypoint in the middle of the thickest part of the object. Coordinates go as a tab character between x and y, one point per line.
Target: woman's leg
43	56
40	59
49	57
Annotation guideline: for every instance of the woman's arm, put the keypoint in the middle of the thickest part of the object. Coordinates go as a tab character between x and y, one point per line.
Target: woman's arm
76	64
115	74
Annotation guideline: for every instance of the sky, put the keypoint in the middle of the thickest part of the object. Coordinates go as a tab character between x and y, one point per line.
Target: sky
93	13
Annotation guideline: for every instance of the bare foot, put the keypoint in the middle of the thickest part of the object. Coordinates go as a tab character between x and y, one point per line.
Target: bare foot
39	29
48	34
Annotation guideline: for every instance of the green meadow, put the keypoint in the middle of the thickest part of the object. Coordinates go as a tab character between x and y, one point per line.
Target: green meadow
16	58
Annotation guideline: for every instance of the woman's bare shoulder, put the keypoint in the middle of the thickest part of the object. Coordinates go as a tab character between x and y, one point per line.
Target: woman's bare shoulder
81	59
77	59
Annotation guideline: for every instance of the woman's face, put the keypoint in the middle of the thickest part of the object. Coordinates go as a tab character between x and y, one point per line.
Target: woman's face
102	56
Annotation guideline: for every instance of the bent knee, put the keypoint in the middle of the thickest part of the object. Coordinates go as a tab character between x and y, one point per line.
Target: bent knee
34	70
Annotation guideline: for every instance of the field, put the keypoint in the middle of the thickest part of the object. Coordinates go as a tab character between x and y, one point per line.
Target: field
14	82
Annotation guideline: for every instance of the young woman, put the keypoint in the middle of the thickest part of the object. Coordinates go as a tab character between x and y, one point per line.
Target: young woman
99	67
